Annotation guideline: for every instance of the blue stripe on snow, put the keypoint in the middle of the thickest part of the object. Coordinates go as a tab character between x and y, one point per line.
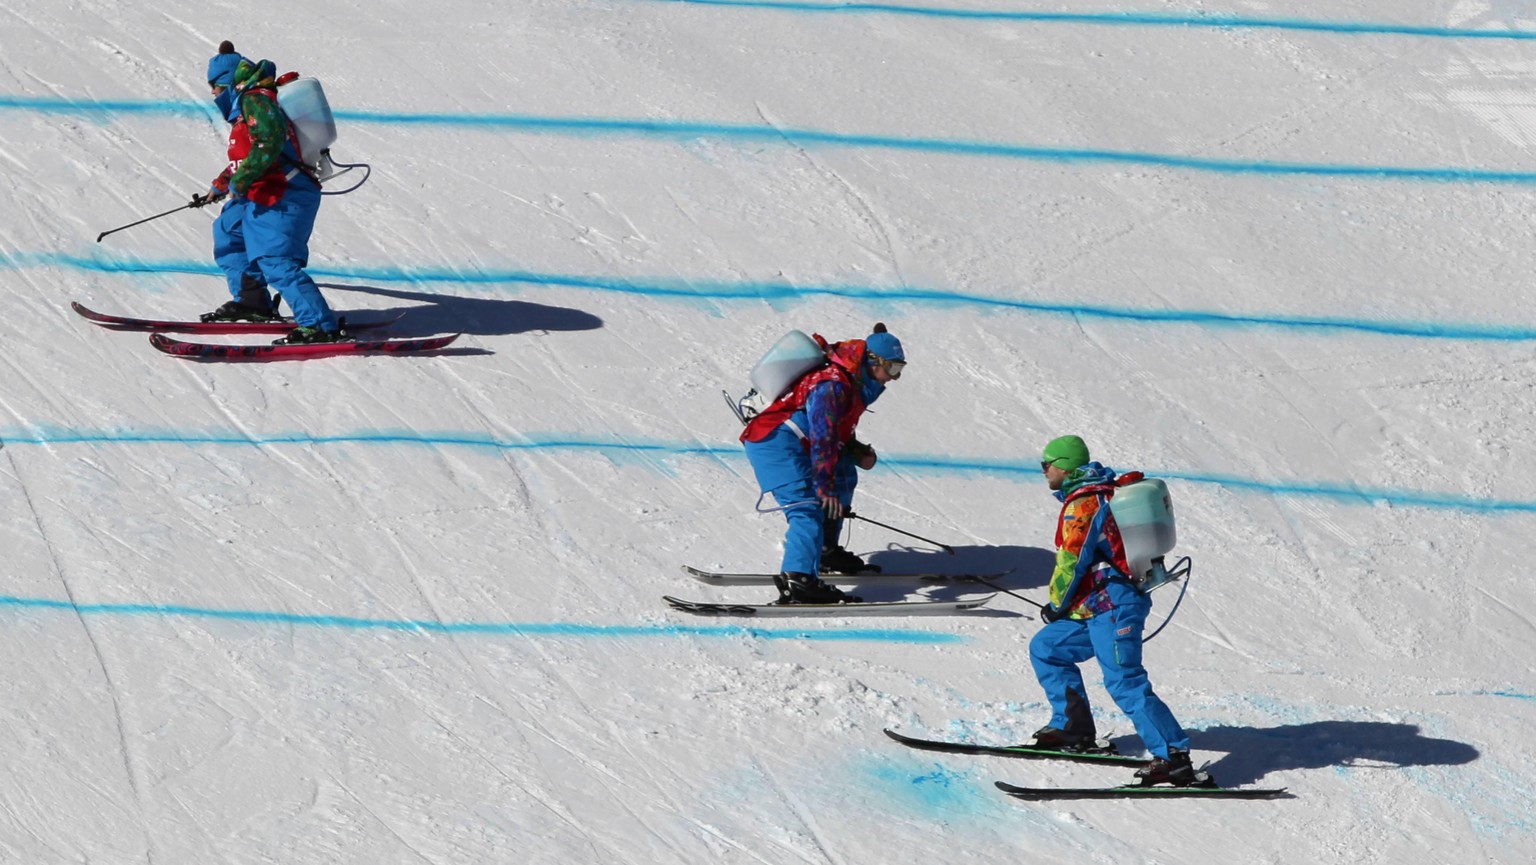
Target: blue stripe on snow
1202	19
522	629
620	448
683	130
706	290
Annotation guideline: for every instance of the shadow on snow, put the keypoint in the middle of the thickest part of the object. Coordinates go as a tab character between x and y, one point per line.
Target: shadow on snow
1254	752
435	313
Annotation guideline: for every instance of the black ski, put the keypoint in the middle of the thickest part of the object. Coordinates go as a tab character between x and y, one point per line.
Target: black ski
1036	794
860	608
1104	756
716	578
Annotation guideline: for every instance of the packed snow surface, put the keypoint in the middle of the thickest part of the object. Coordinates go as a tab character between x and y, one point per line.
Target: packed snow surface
407	609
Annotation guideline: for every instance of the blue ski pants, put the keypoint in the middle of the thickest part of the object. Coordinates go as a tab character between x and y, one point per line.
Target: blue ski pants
271	244
783	468
1114	638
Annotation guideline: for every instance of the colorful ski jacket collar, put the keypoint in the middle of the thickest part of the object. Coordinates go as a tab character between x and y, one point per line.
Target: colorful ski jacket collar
1090	479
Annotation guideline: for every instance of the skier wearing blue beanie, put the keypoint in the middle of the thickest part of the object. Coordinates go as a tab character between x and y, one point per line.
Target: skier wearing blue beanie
261	238
803	451
251	299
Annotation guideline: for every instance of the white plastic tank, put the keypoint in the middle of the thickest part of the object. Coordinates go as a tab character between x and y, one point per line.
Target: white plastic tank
1144	513
303	100
790	358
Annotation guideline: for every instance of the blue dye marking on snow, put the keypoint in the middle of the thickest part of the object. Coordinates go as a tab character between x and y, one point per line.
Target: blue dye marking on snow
686	130
617	448
705	290
522	629
1220	20
936	792
103	110
1513	695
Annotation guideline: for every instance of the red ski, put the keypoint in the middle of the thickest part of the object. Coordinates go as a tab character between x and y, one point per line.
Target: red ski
215	351
122	322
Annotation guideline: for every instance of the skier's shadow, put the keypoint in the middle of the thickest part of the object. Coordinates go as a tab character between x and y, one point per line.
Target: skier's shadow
1020	568
433	313
1254	752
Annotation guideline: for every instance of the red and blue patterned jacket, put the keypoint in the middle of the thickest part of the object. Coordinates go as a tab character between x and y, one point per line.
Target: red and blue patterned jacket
823	408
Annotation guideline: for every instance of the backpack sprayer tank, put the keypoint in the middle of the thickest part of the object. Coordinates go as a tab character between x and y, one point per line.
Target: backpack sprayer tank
794	355
1144	513
304	102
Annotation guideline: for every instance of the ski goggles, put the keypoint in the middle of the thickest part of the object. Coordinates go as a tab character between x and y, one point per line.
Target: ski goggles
892	368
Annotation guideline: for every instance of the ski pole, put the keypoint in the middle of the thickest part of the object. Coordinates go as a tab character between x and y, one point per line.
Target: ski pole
945	547
186	206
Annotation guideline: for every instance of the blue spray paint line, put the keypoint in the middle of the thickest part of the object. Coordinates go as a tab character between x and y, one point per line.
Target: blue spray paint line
1029	470
1511	695
105	110
1347	493
679	130
757	291
1369	495
1218	20
522	629
44	435
688	130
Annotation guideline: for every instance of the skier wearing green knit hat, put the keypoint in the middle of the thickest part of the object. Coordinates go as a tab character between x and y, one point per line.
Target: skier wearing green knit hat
1096	611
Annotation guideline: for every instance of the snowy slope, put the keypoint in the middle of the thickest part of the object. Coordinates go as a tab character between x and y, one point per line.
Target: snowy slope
406	609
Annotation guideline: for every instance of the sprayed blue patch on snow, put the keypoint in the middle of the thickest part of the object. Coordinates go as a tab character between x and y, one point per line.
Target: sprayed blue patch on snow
929	789
1221	20
521	629
761	291
619	449
686	130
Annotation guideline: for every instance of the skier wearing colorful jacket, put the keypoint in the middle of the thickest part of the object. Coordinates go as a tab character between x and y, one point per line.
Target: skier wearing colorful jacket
803	451
1096	611
261	239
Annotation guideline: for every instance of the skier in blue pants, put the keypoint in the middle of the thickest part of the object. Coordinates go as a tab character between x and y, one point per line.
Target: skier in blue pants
803	452
261	239
1095	611
250	298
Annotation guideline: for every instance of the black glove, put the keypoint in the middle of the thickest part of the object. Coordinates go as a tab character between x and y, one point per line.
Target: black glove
1050	614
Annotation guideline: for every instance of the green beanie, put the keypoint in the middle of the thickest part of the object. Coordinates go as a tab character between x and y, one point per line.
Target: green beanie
1066	453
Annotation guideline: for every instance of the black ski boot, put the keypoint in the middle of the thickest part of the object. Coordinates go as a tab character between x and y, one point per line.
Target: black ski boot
836	560
311	335
798	588
1175	771
253	304
1054	739
234	310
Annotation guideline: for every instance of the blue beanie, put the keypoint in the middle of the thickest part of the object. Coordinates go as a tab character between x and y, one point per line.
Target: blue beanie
885	344
221	66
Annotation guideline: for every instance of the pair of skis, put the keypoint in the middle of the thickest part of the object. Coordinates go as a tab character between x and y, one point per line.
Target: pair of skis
858	608
1103	756
158	329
